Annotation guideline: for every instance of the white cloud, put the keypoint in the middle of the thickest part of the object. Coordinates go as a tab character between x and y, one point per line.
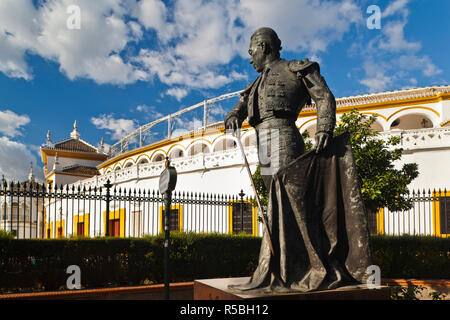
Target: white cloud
93	51
151	14
178	93
184	125
195	39
15	160
391	60
117	128
150	112
18	29
395	39
301	24
395	7
412	62
11	123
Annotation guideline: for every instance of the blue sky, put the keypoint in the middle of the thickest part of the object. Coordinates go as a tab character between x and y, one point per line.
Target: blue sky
131	61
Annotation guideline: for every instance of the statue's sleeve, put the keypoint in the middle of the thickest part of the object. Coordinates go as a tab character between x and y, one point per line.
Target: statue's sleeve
240	109
318	89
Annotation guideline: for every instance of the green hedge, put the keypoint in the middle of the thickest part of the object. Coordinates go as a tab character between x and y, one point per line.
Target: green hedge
412	257
30	265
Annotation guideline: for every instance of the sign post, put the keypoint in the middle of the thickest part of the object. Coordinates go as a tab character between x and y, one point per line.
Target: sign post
167	183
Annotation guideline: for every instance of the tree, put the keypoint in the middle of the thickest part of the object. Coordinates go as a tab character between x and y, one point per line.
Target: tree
382	184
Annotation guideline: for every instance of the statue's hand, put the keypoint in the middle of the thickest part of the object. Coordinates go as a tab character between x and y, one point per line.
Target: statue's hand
233	125
323	139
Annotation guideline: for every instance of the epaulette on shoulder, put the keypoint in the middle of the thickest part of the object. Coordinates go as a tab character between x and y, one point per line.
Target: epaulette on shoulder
301	65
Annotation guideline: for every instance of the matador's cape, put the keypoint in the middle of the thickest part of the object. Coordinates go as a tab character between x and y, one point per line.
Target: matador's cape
318	225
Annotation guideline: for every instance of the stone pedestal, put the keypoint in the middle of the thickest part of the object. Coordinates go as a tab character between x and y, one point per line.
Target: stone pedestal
217	289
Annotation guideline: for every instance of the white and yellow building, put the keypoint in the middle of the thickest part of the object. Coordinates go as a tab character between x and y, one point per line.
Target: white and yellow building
208	160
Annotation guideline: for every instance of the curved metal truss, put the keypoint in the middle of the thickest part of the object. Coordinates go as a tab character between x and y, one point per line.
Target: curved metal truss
143	131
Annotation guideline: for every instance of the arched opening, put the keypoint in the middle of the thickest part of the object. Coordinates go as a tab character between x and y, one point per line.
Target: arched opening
176	153
198	148
143	161
411	121
225	144
117	168
250	140
311	130
377	126
158	157
128	164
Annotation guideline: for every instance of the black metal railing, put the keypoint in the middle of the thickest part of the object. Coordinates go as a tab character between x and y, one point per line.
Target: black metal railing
32	210
44	211
429	215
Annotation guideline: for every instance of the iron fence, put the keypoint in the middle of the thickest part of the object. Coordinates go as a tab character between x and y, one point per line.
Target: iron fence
42	211
429	215
32	210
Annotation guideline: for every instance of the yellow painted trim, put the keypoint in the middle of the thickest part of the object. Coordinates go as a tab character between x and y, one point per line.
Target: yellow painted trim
54	226
361	107
445	123
178	207
198	141
81	218
380	221
375	113
143	156
155	153
410	108
67	174
385	104
71	154
129	160
254	217
313	119
223	137
164	143
114	215
181	147
437	213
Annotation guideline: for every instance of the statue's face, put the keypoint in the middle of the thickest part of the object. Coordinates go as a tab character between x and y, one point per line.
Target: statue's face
257	56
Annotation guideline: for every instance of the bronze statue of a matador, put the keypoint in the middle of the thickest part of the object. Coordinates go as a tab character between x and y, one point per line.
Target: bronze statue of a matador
316	217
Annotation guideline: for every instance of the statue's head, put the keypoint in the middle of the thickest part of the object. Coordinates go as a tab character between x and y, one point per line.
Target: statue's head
264	46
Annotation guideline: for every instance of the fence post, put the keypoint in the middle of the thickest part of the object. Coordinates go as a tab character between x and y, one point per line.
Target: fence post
242	194
108	186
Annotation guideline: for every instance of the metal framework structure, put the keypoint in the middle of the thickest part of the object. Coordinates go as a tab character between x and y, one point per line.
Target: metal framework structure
123	145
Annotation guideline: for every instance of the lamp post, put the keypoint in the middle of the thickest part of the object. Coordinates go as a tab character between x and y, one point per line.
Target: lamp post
167	183
108	186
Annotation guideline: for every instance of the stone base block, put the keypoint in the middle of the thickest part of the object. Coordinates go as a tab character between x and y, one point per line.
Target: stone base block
217	289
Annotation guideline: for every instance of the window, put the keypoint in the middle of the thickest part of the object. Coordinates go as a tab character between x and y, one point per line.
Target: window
444	215
372	222
174	220
114	230
80	228
158	158
242	217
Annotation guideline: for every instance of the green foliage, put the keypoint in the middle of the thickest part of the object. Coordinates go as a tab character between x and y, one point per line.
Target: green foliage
411	257
36	265
382	185
406	293
6	234
260	188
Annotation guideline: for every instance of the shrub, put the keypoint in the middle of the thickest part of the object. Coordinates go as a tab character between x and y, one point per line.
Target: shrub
32	265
